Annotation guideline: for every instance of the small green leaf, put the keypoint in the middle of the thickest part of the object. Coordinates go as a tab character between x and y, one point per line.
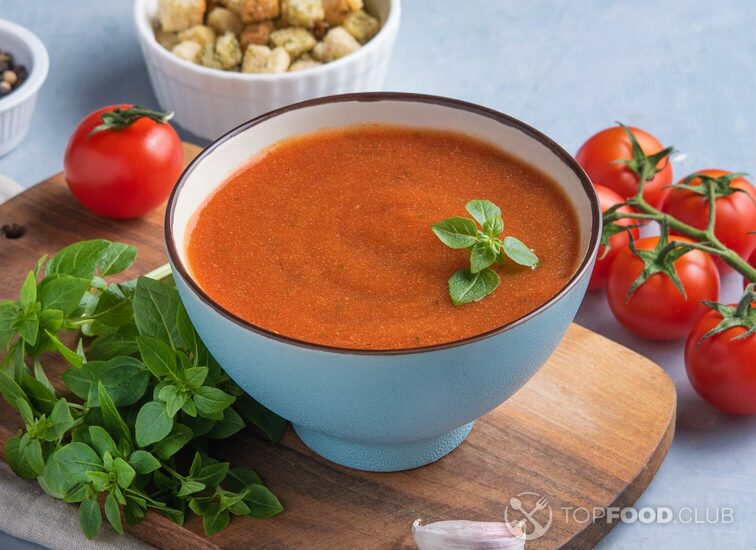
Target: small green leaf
71	357
11	391
493	226
113	308
155	310
9	312
456	232
158	356
176	440
466	287
60	420
113	513
17	461
212	474
152	423
215	520
482	255
173	397
118	257
62	292
483	210
76	459
113	420
189	487
186	331
241	478
28	327
143	462
262	503
195	376
516	250
101	441
211	400
231	424
79	259
90	518
125	474
27	415
28	295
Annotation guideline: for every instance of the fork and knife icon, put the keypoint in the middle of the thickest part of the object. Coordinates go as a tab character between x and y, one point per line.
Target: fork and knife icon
540	504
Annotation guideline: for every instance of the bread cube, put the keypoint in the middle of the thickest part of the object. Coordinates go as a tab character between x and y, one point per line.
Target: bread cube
256	33
168	40
179	15
362	26
337	10
301	13
188	50
254	11
336	44
201	34
294	40
223	20
209	58
302	64
261	59
228	51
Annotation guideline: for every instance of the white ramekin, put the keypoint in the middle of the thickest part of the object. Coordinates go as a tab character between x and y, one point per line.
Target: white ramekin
209	102
16	108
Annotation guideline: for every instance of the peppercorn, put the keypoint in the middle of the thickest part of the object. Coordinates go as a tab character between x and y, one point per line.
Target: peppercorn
5	88
10	77
11	74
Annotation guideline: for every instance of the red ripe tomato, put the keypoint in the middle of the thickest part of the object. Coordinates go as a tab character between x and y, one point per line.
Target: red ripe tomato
597	156
735	214
722	370
123	173
607	199
657	310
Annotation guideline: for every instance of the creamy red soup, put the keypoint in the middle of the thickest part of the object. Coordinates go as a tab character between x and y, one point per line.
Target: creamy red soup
327	238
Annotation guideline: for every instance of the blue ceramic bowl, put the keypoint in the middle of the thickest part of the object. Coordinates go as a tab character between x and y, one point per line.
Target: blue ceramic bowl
381	410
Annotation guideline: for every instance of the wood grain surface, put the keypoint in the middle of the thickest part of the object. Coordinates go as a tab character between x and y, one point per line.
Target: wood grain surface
590	430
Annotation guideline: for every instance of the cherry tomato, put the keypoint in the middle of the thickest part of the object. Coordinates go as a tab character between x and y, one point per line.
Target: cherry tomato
722	370
597	156
735	214
607	199
122	173
657	310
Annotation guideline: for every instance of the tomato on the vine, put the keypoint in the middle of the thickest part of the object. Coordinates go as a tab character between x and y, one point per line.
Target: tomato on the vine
122	161
597	156
618	241
735	213
720	357
752	263
657	310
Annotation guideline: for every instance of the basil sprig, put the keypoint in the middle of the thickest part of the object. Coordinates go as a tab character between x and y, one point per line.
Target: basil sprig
486	249
146	397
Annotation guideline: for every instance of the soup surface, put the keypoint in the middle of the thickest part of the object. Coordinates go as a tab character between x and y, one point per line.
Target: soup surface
326	237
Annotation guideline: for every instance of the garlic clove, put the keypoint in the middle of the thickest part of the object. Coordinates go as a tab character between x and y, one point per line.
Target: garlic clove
468	535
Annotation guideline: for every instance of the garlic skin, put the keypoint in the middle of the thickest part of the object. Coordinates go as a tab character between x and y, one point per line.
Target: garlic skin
468	535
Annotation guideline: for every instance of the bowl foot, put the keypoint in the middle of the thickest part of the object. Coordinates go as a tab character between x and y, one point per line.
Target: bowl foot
383	458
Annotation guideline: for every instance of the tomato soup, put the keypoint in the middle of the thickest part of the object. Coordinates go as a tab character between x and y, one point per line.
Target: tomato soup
327	238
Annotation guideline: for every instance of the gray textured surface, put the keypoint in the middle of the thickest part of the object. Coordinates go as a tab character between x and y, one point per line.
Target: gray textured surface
683	69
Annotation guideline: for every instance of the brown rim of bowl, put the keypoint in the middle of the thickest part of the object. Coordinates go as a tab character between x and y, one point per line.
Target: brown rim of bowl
507	120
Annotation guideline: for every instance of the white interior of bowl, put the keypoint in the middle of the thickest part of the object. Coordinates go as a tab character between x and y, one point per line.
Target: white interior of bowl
227	156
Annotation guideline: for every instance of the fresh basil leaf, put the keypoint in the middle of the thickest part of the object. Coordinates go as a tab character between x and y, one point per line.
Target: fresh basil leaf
118	257
78	493
113	309
125	379
31	453
212	474
215	520
152	423
113	513
62	292
112	418
28	327
76	459
158	356
60	420
155	309
187	333
516	250
79	259
493	226
231	424
143	462
101	441
240	478
26	412
262	503
111	345
38	395
9	313
195	376
482	210
456	232
176	440
125	474
90	518
482	255
272	425
174	399
189	487
15	459
11	391
211	400
28	296
200	426
466	287
71	357
39	374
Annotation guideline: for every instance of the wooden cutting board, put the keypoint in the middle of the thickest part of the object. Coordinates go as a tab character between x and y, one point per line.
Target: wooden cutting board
590	430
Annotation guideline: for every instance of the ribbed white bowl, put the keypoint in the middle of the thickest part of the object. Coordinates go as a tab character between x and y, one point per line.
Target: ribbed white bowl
16	108
209	102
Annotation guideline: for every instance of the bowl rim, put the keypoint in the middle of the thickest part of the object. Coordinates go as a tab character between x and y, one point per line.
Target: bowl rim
385	35
39	66
582	271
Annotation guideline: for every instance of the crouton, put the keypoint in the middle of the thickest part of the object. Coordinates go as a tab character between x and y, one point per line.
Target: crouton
254	11
179	15
362	26
199	33
223	20
261	59
294	40
256	33
337	10
188	50
209	58
336	44
168	40
228	51
233	5
302	64
301	13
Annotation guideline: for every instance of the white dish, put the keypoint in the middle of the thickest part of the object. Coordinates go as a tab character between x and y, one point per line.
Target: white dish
209	102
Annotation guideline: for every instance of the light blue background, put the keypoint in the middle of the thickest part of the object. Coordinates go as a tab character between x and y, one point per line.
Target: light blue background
684	70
